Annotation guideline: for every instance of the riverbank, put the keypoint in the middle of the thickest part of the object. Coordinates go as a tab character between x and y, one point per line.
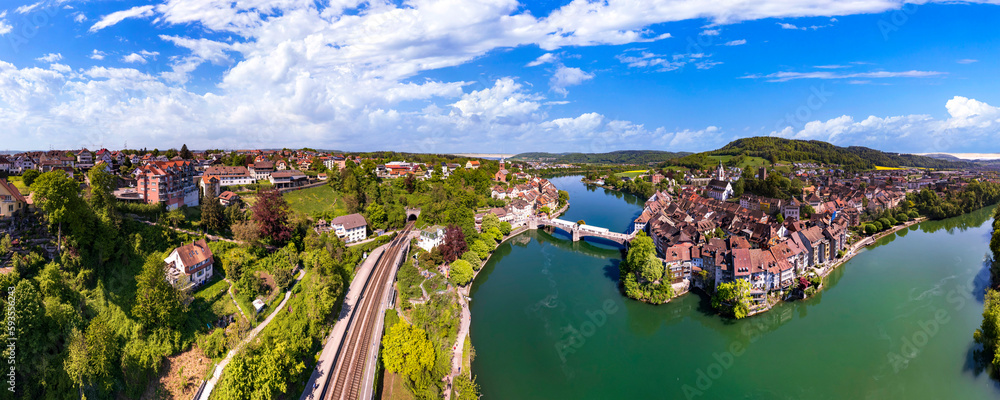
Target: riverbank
458	353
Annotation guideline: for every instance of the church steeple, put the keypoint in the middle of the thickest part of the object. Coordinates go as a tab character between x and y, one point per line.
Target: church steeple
721	172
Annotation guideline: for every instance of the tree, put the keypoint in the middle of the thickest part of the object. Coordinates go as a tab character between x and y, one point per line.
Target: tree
185	153
581	222
480	248
780	218
651	269
212	214
246	231
29	177
473	259
407	350
461	273
490	221
563	198
454	243
157	303
495	233
102	187
807	210
988	333
270	213
733	298
466	387
175	217
59	196
505	228
376	215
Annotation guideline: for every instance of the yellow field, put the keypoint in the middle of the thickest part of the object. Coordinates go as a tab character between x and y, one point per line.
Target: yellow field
881	168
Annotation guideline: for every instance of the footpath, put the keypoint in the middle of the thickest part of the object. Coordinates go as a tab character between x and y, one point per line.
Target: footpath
206	392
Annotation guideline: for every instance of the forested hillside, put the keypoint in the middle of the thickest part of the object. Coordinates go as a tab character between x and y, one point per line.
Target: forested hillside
852	158
614	157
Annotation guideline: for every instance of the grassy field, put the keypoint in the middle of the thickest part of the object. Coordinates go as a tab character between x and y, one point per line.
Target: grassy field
630	174
316	200
19	184
394	388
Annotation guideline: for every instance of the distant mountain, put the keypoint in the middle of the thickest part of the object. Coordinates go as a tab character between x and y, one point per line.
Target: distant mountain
641	157
942	156
851	158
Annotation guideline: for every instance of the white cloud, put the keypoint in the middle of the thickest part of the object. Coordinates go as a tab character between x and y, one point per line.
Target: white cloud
543	59
967	61
738	42
27	8
50	58
568	76
664	63
5	27
971	124
348	72
80	18
788	26
830	66
141	57
710	32
119	16
787	76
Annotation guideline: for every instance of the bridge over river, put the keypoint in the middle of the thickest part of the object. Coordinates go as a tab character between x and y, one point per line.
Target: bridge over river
579	231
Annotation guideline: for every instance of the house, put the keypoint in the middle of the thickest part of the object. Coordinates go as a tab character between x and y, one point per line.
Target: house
350	228
719	188
228	198
230	176
335	163
84	159
791	209
210	186
261	170
472	164
6	165
431	237
189	265
322	176
11	200
288	179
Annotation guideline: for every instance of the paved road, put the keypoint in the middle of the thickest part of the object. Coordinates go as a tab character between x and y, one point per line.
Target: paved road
253	334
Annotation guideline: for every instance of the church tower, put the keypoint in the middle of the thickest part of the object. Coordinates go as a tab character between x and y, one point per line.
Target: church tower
721	173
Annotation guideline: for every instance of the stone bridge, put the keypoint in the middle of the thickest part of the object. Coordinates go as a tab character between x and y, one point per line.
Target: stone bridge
581	231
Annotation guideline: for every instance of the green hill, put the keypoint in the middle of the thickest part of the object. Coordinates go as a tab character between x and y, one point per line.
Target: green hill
853	158
639	157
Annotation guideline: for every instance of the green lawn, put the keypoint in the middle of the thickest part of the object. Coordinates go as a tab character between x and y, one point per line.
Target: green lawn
210	303
630	174
19	184
316	200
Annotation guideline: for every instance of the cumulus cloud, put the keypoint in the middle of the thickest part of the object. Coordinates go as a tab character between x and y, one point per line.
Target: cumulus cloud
568	76
5	27
349	73
971	125
50	58
119	16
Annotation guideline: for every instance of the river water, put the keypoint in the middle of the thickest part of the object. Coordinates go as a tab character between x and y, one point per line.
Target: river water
895	322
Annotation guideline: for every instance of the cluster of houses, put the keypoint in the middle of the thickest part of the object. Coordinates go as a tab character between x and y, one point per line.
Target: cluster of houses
523	200
752	245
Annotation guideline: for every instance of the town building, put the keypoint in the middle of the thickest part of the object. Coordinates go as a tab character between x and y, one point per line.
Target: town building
230	176
431	237
11	200
351	228
168	182
190	265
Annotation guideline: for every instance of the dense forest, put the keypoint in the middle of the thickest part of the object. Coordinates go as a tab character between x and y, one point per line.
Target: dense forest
638	157
852	158
972	197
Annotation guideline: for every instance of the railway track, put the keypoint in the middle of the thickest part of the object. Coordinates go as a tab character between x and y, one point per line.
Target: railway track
346	380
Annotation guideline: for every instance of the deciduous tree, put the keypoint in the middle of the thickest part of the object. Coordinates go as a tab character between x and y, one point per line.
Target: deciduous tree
270	213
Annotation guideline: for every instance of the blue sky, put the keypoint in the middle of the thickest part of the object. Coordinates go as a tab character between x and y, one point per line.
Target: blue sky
498	75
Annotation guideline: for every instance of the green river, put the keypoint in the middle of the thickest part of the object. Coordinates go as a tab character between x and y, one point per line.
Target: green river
895	322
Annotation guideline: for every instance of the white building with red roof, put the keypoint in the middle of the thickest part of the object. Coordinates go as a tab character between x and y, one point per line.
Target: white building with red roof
190	264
